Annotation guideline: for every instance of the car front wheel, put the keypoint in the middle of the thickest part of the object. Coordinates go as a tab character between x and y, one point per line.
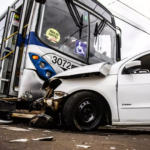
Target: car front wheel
83	111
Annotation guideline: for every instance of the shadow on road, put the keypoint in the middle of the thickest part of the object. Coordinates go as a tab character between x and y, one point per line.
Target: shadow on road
101	132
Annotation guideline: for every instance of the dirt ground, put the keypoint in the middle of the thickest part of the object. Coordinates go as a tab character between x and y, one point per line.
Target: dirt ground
66	140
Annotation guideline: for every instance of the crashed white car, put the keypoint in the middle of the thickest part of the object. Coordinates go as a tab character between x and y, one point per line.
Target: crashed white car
101	94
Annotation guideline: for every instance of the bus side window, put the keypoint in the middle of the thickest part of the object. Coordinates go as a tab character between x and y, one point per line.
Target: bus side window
2	27
99	9
103	45
11	29
103	13
88	3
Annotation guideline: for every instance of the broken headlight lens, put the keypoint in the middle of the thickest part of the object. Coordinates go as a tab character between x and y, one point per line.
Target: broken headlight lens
59	95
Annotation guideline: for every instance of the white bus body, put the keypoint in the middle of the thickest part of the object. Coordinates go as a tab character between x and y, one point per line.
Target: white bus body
42	38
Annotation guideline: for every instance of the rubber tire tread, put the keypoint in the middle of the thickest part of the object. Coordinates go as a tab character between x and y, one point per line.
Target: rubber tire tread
69	109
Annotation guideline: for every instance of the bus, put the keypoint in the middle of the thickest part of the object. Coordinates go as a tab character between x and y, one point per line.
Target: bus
41	38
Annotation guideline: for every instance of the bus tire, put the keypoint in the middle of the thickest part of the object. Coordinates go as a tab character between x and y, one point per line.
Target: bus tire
83	111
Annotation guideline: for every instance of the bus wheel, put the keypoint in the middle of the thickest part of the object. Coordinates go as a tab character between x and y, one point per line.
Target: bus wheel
83	111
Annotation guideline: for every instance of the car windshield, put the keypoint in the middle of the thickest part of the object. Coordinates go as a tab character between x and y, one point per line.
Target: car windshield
65	31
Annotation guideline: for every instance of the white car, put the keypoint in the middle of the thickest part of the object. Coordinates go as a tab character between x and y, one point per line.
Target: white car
103	94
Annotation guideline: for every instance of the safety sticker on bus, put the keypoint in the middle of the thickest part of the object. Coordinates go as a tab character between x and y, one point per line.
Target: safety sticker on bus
63	63
53	35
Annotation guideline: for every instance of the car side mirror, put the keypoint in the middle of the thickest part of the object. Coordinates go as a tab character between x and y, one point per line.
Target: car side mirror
130	67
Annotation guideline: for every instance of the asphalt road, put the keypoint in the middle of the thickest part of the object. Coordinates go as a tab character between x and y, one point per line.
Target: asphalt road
66	140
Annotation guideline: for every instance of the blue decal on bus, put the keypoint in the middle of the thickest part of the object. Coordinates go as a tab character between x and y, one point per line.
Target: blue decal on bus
80	48
33	40
20	40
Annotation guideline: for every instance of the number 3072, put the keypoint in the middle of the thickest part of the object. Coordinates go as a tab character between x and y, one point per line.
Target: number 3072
61	62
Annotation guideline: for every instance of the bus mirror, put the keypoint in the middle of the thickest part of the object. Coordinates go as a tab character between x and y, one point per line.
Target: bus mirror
119	34
41	1
119	43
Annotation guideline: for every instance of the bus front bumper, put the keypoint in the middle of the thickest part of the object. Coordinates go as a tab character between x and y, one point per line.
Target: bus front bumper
30	88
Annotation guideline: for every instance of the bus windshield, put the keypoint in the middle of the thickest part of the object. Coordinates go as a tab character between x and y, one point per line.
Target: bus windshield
57	28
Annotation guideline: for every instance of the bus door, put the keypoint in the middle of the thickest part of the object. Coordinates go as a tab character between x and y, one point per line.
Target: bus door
12	50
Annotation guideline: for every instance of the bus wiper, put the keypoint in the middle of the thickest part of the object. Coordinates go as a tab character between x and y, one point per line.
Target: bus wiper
75	15
99	28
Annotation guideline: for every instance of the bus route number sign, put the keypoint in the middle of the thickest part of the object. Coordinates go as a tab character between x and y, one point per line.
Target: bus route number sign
63	63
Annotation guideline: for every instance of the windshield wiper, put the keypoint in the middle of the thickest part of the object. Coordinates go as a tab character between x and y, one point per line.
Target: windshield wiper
75	15
99	28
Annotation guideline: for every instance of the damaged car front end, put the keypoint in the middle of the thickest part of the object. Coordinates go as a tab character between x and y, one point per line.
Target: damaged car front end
68	95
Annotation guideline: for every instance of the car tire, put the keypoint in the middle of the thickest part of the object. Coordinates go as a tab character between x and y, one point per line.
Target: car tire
83	111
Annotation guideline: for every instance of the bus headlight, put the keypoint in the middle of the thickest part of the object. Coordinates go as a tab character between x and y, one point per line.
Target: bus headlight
48	74
43	68
42	65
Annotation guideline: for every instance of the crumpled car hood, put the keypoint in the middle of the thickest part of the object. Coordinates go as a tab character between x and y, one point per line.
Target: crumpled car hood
102	68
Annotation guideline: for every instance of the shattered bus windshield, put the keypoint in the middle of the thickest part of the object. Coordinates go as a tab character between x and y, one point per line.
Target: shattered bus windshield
64	25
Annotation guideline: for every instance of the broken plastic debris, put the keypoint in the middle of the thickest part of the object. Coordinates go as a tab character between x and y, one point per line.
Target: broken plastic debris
19	140
83	146
15	129
112	148
32	129
5	121
47	131
109	126
41	120
44	139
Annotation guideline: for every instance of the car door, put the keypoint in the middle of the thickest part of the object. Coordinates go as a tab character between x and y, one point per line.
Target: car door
134	93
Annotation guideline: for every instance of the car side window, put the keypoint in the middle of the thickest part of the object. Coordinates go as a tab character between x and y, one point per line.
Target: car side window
144	68
145	62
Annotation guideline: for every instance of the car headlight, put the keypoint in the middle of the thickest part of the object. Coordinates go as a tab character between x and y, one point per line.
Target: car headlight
59	95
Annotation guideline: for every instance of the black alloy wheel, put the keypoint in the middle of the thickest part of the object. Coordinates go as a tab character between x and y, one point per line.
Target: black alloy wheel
83	111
